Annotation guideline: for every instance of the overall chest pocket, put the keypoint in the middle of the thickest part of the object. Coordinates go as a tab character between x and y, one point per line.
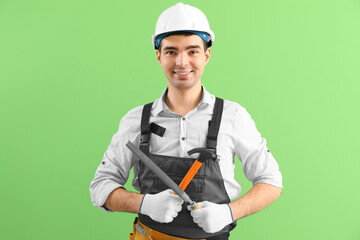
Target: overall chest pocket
176	168
195	188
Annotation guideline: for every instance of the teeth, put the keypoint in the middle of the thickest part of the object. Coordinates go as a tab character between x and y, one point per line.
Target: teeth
183	73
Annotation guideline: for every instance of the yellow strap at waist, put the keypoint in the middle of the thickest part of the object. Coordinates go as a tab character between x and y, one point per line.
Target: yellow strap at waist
151	234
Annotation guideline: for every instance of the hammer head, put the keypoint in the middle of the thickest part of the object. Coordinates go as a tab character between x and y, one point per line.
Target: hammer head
204	154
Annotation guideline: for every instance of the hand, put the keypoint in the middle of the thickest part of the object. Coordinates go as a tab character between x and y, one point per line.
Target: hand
212	217
162	207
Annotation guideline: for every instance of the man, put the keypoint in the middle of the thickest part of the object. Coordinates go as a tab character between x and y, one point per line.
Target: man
185	117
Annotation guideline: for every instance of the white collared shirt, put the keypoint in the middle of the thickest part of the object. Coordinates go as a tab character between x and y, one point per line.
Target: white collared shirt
237	135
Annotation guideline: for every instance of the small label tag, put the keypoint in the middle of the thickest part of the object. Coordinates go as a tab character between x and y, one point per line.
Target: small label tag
140	229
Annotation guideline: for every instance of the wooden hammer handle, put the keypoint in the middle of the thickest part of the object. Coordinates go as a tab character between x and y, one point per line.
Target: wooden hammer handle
197	207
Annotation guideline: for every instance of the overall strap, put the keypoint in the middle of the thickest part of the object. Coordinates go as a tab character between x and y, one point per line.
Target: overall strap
211	141
145	128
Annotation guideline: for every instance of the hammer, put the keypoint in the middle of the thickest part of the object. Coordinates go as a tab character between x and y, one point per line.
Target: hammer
205	154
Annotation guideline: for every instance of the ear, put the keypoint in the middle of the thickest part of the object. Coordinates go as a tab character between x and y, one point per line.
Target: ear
158	56
207	55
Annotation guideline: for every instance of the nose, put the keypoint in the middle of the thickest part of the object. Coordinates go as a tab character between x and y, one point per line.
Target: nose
182	60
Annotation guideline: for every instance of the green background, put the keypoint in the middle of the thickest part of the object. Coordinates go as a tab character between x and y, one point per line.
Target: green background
70	69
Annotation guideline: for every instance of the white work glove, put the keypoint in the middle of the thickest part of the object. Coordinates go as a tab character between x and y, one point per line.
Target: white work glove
162	207
212	217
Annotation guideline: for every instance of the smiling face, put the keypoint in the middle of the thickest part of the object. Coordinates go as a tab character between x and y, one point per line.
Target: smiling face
183	60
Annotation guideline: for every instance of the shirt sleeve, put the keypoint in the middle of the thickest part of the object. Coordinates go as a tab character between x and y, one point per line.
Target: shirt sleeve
258	163
114	169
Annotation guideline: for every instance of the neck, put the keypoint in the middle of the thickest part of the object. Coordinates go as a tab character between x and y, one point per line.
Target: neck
182	101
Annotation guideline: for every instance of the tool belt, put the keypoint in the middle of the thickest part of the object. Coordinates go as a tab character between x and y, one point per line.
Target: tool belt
142	232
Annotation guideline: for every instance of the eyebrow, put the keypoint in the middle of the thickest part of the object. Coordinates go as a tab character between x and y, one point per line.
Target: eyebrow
187	48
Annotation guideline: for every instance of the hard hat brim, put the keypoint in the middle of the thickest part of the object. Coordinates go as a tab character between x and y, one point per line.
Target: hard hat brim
165	34
203	35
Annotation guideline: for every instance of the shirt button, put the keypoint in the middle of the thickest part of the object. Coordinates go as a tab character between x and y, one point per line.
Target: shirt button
183	118
183	138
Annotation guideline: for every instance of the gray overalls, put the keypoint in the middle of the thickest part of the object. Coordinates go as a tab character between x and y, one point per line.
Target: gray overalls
207	185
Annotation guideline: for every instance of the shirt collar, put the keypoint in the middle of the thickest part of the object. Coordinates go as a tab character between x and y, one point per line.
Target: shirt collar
160	105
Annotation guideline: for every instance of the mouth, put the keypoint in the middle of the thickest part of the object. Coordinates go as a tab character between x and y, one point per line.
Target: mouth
183	74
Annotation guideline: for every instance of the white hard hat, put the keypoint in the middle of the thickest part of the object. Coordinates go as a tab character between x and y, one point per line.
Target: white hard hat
184	18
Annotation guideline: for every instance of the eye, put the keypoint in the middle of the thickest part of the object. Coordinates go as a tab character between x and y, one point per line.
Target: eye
170	53
193	51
